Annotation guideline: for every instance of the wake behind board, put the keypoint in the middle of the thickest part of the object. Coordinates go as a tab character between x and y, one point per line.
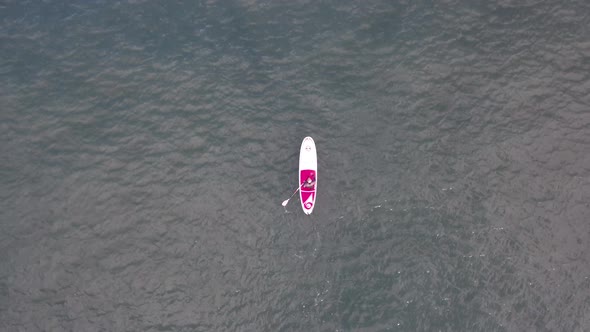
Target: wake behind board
308	169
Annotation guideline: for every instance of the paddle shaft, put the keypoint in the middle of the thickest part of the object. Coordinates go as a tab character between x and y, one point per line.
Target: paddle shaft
296	190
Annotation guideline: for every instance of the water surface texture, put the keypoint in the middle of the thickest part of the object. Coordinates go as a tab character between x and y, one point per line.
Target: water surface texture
146	147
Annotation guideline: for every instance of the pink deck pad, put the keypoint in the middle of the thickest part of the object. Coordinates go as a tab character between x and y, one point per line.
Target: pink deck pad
307	192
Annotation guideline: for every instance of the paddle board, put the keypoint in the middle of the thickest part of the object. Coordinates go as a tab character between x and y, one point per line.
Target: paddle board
308	169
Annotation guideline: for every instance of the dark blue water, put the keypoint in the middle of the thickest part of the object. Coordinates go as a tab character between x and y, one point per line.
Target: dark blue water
146	148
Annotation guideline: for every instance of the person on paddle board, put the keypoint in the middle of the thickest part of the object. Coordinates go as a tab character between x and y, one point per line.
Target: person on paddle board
309	183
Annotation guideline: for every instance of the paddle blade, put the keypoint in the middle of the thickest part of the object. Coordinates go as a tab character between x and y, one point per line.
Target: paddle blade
285	202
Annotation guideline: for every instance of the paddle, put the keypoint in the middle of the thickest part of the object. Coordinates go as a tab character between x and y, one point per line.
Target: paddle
285	202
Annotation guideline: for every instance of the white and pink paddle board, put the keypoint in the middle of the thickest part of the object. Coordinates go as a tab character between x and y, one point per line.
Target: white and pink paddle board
308	169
